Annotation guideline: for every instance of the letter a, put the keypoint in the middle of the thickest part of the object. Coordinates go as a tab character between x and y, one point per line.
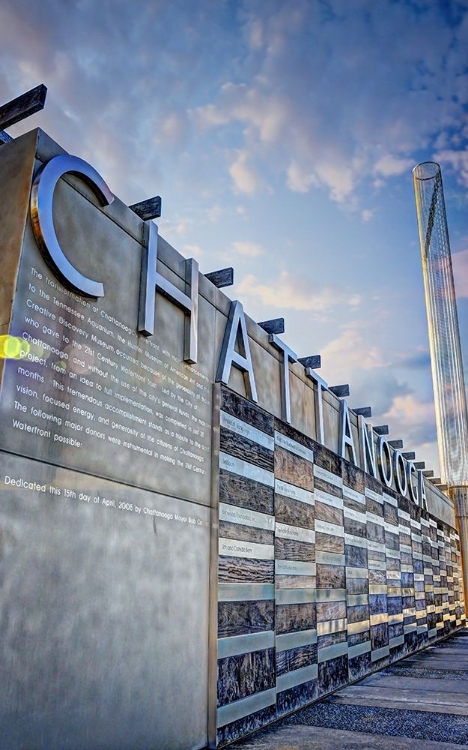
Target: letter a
236	331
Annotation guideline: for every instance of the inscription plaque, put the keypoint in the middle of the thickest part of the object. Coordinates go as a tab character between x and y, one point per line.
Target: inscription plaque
84	390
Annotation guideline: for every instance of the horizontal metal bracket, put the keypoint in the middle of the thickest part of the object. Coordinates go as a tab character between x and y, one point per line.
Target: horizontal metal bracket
23	106
314	361
276	325
149	209
339	390
364	411
221	278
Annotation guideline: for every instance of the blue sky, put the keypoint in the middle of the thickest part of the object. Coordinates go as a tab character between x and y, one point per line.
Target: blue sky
281	135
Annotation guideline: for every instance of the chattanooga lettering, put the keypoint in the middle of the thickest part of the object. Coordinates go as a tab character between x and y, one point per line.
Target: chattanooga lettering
371	452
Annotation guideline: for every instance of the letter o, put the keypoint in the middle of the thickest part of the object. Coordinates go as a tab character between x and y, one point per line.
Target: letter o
410	470
384	461
401	480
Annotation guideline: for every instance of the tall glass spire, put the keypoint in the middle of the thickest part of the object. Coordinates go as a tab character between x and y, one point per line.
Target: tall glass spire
444	342
444	337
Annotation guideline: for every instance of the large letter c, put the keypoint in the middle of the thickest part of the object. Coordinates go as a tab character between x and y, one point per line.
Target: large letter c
42	196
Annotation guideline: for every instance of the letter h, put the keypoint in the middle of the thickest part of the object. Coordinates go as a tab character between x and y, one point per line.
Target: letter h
151	280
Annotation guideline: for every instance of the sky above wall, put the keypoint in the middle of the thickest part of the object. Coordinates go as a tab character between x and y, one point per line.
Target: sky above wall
281	135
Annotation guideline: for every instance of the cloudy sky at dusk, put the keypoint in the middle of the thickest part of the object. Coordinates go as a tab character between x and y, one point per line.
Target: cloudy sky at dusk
281	135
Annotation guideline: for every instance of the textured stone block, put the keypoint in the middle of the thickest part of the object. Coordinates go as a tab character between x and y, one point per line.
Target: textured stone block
229	530
328	487
329	543
356	638
245	449
242	570
293	512
356	528
283	581
379	635
359	666
293	469
394	605
391	514
372	506
294	617
239	618
395	630
296	697
245	493
353	477
325	512
355	557
358	613
375	532
356	585
332	674
296	658
246	411
330	577
377	604
377	577
247	724
331	611
287	549
245	674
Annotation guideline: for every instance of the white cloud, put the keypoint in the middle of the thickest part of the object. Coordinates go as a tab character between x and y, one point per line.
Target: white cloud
294	293
299	179
456	159
245	178
460	273
248	249
367	214
193	250
391	166
353	350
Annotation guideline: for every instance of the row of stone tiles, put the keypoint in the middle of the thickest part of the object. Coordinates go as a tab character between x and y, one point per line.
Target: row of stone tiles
421	701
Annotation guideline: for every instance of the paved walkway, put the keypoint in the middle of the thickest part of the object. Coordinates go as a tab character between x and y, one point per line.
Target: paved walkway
419	702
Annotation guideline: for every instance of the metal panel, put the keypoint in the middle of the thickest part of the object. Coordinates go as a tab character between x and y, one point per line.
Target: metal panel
244	469
295	493
244	644
294	447
239	709
246	517
296	677
239	548
246	430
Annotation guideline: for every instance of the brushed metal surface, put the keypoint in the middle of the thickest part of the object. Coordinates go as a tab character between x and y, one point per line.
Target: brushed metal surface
244	644
288	567
297	639
332	652
285	531
239	592
246	517
327	476
296	677
295	493
99	604
245	706
251	550
246	430
294	447
245	469
294	596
